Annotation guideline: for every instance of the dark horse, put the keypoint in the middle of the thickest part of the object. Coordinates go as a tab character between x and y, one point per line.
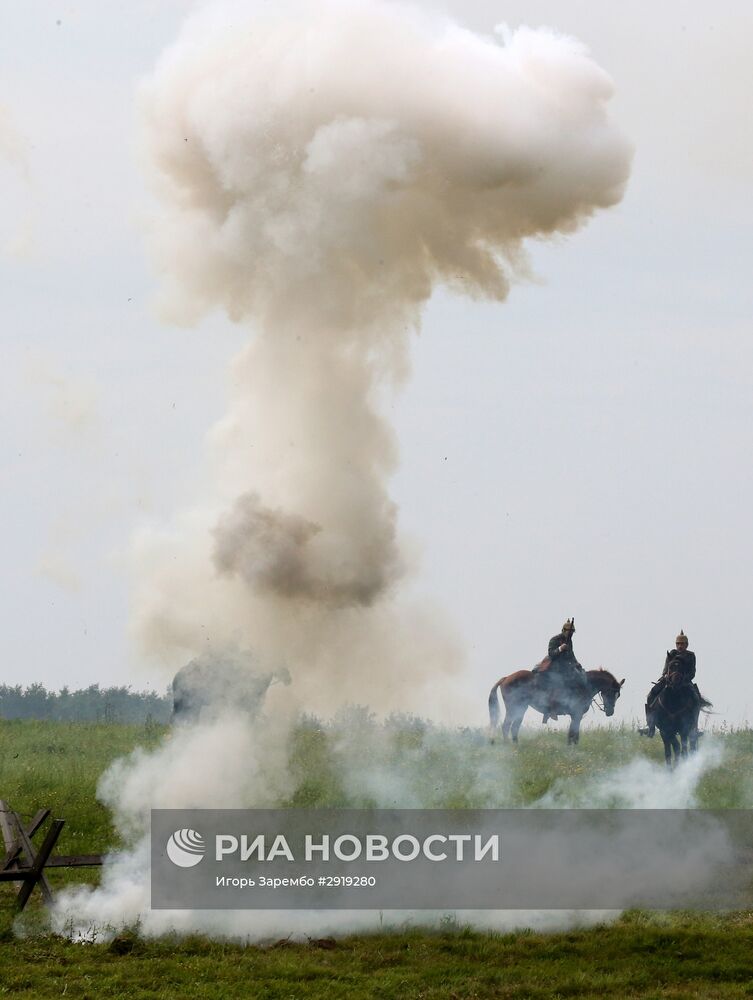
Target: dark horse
524	689
676	712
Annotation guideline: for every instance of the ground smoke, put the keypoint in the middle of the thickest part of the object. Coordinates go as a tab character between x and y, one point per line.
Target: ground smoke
355	760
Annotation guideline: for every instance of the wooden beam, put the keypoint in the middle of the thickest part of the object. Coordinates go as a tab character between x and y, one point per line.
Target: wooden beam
22	863
37	868
31	854
58	861
11	859
35	824
5	827
75	861
14	874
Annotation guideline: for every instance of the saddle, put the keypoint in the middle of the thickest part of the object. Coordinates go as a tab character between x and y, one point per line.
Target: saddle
553	708
555	693
678	681
678	695
541	668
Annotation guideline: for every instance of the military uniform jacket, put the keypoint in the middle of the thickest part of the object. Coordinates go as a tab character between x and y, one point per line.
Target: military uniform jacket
567	656
681	661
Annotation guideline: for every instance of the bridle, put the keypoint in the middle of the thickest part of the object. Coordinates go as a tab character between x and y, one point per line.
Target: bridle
598	700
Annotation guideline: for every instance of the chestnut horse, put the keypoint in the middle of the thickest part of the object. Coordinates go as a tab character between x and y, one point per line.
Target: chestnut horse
525	689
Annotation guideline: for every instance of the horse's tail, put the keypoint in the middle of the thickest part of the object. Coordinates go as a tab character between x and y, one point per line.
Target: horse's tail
494	706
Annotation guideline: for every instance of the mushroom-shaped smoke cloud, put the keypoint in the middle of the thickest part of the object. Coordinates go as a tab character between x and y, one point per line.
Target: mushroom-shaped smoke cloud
321	168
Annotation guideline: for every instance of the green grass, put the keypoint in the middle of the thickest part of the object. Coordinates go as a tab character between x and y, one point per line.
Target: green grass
640	955
58	765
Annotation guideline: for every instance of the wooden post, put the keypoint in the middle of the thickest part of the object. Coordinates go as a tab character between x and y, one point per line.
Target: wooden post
23	863
5	827
11	859
35	824
35	872
31	855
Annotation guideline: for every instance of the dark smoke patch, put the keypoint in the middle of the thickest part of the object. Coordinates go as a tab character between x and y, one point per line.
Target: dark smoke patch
275	552
266	547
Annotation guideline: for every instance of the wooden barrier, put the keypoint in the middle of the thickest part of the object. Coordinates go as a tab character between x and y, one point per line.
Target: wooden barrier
24	863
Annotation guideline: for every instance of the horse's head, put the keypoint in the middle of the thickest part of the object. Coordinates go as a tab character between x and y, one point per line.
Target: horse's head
607	686
675	680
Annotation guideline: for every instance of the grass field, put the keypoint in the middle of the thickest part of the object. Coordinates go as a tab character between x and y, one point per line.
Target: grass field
639	955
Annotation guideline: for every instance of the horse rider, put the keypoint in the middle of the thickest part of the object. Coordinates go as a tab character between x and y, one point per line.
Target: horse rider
680	660
561	662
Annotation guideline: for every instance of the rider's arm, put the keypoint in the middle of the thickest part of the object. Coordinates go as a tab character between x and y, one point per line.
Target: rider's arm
554	646
690	666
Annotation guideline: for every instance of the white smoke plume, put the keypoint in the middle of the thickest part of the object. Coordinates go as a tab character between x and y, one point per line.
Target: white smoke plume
321	167
320	170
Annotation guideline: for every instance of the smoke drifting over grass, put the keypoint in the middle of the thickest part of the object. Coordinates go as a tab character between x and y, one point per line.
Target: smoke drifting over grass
356	761
320	170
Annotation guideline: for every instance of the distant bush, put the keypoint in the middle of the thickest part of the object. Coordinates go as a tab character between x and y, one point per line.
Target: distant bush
92	704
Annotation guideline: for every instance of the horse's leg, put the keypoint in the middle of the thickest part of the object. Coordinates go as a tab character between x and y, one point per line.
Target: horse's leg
516	723
676	748
684	743
694	733
666	740
493	712
511	710
573	733
506	724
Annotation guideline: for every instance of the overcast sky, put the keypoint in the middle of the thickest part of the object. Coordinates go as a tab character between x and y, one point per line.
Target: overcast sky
583	449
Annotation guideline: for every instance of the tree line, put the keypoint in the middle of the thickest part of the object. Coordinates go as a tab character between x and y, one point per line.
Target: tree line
91	704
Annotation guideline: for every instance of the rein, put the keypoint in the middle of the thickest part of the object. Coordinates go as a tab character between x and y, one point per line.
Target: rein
598	700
